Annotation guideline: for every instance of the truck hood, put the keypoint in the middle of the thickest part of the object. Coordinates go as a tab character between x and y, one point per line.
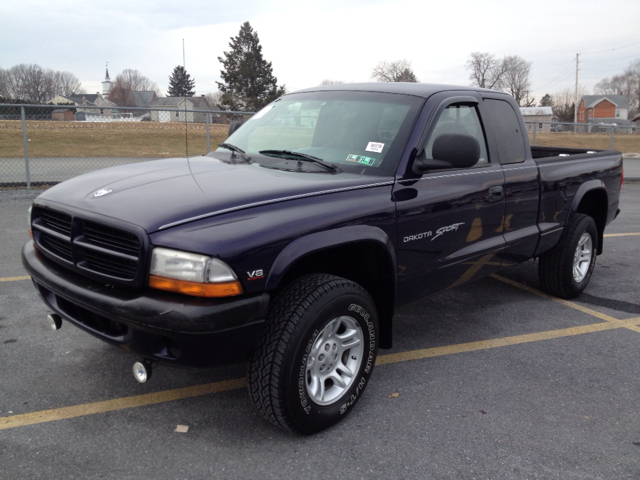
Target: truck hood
159	194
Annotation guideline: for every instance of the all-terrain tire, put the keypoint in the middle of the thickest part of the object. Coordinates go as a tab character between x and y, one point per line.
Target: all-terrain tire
565	272
316	355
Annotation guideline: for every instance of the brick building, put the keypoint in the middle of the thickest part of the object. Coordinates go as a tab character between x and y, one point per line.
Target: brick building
609	107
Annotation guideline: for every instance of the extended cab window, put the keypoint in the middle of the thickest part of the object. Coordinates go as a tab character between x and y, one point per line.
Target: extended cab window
507	130
459	119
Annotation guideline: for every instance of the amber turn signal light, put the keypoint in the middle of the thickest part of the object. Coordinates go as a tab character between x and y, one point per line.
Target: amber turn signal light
196	289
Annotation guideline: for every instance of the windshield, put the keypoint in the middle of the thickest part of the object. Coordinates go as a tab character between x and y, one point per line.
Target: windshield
360	132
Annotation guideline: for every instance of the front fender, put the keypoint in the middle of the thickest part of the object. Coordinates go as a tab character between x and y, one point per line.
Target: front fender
315	242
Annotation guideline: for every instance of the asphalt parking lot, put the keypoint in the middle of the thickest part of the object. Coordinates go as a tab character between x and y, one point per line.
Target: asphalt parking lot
492	380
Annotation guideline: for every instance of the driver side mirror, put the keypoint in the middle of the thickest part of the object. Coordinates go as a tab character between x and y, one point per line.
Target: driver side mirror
450	150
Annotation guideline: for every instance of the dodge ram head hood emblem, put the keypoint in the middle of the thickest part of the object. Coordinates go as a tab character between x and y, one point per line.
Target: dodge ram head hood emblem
102	191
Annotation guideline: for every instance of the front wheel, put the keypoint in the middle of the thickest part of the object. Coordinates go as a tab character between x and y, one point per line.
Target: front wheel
566	271
317	354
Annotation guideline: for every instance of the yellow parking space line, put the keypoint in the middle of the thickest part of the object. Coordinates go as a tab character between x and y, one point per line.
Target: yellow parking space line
45	416
119	403
566	303
620	234
227	385
498	342
14	279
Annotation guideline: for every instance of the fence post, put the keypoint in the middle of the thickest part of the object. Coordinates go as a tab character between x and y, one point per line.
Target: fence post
613	129
26	150
535	129
208	139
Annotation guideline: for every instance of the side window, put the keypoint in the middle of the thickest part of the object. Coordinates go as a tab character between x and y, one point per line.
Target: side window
507	130
460	119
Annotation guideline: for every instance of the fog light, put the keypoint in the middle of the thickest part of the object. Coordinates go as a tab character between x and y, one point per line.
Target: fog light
55	321
142	371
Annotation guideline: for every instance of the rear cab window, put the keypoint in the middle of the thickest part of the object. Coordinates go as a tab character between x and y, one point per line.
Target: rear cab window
506	128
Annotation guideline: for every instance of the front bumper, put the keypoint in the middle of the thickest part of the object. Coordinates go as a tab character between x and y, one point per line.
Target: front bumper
159	326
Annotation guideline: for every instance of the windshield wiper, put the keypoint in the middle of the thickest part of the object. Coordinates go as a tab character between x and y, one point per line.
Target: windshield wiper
300	156
234	150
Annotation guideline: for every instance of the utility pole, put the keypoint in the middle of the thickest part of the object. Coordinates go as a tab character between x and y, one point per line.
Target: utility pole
575	108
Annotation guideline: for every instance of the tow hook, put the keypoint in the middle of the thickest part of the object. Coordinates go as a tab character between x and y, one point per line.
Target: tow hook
142	371
54	321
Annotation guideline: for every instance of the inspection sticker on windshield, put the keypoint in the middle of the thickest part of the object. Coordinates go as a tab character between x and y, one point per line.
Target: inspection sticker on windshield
361	159
374	147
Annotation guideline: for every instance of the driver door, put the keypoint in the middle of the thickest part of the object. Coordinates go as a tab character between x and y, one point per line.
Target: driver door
449	221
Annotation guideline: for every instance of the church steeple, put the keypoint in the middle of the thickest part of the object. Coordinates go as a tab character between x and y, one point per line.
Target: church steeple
107	84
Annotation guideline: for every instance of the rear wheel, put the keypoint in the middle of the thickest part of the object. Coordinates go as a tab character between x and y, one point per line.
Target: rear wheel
317	354
566	271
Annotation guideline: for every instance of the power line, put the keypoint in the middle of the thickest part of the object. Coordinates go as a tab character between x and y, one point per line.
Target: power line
563	73
611	49
614	59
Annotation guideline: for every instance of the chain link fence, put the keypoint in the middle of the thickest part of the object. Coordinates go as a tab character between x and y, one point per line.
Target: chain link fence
599	136
41	145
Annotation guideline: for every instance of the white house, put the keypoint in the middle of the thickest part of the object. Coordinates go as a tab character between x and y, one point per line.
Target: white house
533	115
176	107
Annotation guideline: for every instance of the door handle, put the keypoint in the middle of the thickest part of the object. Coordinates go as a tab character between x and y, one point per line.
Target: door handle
494	194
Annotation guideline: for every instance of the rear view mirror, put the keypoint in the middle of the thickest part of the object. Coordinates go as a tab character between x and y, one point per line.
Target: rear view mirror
450	150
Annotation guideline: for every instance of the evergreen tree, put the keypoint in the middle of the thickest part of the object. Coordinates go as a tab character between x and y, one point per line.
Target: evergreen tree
180	83
248	81
546	101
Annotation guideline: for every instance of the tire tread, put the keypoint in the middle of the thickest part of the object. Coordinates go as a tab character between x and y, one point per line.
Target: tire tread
265	367
552	273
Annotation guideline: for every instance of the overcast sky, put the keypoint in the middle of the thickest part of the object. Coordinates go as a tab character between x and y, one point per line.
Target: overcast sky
330	39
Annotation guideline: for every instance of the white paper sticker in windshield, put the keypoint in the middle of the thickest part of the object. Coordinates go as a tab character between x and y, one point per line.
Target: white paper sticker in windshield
361	159
374	147
262	112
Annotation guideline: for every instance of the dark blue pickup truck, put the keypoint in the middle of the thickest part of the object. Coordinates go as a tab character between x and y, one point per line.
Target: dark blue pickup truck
291	245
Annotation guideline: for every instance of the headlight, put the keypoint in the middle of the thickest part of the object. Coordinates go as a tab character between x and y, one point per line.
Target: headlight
192	274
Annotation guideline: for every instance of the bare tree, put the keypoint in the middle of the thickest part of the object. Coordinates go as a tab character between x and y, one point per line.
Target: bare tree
5	91
66	83
486	70
31	83
328	81
510	74
35	84
214	100
128	82
516	81
564	103
627	83
134	80
396	71
122	94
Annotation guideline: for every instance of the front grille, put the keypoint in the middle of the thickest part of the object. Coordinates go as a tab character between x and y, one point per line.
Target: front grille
99	251
112	238
110	265
60	222
60	247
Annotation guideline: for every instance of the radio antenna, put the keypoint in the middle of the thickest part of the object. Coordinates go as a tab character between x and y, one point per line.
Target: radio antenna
186	128
186	125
